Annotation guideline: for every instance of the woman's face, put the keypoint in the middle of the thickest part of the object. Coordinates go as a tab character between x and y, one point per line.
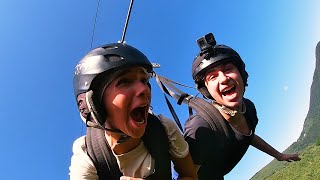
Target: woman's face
225	85
127	101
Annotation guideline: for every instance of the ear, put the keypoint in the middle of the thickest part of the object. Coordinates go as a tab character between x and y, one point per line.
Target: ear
97	113
204	91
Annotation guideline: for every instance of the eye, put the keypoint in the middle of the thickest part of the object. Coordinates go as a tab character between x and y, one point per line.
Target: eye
211	77
145	78
228	67
123	81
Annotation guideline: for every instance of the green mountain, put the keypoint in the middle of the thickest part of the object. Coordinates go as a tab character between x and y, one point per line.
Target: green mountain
307	168
305	143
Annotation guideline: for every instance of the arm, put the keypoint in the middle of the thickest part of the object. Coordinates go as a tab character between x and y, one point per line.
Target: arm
260	144
179	150
185	167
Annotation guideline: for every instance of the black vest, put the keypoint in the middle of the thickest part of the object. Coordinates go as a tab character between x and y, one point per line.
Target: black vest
155	139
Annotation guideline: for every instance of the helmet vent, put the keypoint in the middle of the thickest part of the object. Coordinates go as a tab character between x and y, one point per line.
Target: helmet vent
112	57
109	47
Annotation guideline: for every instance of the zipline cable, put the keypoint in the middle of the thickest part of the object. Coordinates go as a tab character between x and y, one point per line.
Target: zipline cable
94	23
123	34
92	36
127	21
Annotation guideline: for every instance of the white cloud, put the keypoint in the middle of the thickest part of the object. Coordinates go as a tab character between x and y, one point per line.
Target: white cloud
285	88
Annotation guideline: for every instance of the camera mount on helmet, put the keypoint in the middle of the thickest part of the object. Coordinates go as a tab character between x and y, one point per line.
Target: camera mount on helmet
211	54
206	44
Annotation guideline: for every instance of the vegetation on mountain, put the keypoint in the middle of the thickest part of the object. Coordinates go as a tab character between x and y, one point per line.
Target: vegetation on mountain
308	144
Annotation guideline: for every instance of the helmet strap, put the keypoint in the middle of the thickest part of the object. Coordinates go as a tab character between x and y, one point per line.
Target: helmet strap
92	120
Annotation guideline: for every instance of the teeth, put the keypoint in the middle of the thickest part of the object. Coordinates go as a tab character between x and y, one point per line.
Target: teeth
138	115
140	122
225	90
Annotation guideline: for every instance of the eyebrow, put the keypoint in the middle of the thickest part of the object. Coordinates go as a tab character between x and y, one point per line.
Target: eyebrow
129	70
221	65
215	68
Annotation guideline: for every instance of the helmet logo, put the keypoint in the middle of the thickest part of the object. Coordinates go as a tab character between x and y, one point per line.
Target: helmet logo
87	67
79	69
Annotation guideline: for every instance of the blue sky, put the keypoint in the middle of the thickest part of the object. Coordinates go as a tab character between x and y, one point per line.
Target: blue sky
41	42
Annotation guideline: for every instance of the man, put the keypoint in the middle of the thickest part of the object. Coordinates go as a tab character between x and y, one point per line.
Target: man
220	76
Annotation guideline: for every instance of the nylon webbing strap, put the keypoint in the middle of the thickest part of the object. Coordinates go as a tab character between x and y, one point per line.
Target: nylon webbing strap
170	93
101	154
210	114
173	112
163	82
201	106
184	95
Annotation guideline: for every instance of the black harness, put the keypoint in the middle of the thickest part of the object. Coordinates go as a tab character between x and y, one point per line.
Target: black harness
211	115
155	139
199	105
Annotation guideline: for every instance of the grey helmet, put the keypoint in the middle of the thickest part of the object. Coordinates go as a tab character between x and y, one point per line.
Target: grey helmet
100	63
211	56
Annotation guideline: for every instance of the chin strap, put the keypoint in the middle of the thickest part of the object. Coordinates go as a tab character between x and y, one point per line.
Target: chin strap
90	123
92	120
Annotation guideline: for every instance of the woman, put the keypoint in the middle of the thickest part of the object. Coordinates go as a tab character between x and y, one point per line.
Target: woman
115	79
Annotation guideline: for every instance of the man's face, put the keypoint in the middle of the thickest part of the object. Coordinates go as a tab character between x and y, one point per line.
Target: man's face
225	85
127	100
82	105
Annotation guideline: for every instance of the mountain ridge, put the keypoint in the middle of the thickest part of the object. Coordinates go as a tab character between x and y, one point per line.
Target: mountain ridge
310	133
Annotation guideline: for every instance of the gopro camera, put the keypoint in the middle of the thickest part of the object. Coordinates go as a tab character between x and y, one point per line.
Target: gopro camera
206	43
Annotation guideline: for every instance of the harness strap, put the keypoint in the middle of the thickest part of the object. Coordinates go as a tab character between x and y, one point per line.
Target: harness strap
201	106
101	154
156	141
172	94
173	112
183	95
106	163
210	114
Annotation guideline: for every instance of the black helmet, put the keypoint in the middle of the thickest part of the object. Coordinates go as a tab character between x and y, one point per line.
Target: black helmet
108	57
102	62
210	56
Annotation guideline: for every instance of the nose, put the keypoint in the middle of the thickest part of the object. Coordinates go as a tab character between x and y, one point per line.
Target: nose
223	79
142	89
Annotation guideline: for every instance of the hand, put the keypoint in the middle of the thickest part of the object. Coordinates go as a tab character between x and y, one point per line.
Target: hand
288	157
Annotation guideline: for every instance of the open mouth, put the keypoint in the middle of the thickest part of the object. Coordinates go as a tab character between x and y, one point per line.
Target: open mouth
229	91
139	115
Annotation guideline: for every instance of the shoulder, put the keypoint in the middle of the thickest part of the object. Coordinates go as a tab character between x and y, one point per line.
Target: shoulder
251	109
192	126
201	139
178	147
79	143
167	123
170	127
81	165
194	122
251	112
79	146
249	104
